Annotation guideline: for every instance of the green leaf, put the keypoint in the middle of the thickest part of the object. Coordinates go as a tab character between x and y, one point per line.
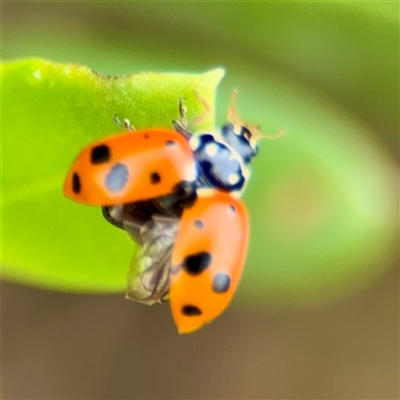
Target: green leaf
320	201
50	112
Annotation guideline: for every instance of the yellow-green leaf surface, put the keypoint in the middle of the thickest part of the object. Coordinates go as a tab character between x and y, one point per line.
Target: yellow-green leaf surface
50	111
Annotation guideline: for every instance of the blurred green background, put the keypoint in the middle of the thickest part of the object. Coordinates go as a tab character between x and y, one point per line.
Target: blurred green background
316	315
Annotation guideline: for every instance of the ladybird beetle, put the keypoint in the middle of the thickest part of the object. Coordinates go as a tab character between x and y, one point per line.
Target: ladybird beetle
177	194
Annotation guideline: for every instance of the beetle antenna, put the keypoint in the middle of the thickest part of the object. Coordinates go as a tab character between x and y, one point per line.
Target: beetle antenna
233	118
277	135
232	114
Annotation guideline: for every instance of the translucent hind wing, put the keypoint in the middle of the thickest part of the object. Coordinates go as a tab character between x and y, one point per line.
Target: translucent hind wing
148	276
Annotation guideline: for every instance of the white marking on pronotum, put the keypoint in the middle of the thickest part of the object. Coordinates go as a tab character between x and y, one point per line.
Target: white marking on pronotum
212	149
194	142
37	74
233	178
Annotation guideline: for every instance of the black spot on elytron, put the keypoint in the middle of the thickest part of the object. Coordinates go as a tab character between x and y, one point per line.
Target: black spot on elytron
100	154
232	208
191	311
117	178
198	224
197	263
155	178
221	282
146	136
170	143
76	183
